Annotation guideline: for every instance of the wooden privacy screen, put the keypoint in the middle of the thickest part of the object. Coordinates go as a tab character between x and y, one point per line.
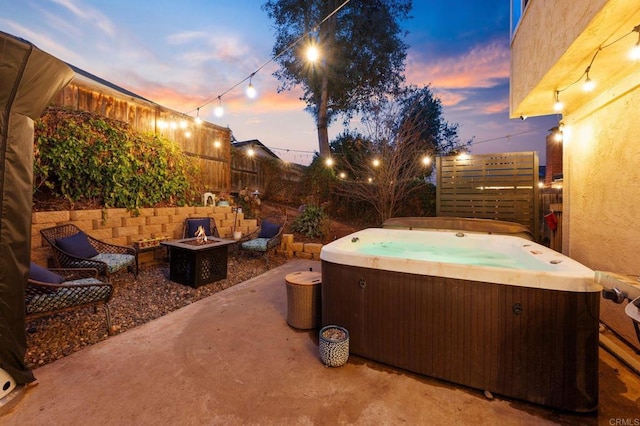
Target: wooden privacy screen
490	186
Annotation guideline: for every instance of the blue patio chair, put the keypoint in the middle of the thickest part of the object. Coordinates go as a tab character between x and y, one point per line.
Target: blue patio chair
72	248
50	291
266	237
191	225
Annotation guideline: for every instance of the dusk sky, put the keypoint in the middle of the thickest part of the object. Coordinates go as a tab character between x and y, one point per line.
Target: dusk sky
184	54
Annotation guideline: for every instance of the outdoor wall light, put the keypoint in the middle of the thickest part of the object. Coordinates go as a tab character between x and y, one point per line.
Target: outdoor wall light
217	144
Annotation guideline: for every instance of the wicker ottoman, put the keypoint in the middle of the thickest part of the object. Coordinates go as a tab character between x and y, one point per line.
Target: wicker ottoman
303	299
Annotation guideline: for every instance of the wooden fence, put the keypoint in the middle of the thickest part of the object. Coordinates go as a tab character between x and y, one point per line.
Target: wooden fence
491	186
209	143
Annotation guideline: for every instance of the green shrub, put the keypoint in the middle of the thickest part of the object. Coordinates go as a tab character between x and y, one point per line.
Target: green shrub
83	157
312	222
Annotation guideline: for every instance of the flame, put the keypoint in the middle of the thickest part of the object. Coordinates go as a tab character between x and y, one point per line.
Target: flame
201	235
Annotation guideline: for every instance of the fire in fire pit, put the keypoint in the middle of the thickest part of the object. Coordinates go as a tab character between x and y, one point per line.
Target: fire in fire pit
201	236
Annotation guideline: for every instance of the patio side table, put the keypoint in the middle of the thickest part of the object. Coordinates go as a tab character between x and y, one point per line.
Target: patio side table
303	299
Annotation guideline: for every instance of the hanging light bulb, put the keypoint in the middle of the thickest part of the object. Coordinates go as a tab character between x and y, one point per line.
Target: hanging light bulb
251	91
313	54
198	119
635	51
219	111
588	85
558	106
558	135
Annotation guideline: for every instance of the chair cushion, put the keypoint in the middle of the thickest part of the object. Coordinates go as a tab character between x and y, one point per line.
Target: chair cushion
268	229
257	244
38	273
193	224
115	261
77	245
70	296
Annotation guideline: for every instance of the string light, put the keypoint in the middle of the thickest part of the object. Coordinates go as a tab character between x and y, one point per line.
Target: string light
558	134
329	162
251	91
635	51
313	53
219	112
426	160
558	106
589	84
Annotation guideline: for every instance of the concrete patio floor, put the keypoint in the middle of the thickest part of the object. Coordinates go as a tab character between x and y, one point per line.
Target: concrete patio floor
232	359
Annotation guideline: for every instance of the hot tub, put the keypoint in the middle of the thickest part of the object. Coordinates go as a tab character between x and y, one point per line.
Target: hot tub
493	312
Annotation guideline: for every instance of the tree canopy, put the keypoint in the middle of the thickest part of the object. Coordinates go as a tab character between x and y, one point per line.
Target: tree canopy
362	54
392	157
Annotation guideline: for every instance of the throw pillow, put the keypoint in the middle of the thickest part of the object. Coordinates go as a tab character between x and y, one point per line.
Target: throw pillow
268	229
193	224
38	273
77	245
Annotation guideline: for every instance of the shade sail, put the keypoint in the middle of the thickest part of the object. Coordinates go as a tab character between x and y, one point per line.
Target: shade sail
29	79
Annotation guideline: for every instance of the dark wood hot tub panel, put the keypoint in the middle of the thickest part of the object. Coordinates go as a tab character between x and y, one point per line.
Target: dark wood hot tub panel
531	344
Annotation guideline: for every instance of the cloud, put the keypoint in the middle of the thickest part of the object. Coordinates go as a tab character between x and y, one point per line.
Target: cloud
87	13
478	67
42	41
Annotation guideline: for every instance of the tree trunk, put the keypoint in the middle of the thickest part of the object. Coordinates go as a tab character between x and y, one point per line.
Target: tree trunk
328	39
323	131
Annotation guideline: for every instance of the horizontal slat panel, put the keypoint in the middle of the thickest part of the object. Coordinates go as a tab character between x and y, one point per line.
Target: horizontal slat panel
492	186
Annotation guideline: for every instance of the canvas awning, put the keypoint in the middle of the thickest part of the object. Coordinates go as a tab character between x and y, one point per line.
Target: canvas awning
29	79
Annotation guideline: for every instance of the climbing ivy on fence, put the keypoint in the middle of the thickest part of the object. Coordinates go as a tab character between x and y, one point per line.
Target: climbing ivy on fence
81	156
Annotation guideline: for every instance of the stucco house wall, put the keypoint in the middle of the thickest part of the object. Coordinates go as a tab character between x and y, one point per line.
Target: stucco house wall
602	182
550	49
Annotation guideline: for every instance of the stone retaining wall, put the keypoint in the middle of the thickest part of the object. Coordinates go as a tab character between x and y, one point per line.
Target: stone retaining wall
119	226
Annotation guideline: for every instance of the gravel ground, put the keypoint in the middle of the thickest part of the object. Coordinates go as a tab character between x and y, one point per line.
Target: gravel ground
134	303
